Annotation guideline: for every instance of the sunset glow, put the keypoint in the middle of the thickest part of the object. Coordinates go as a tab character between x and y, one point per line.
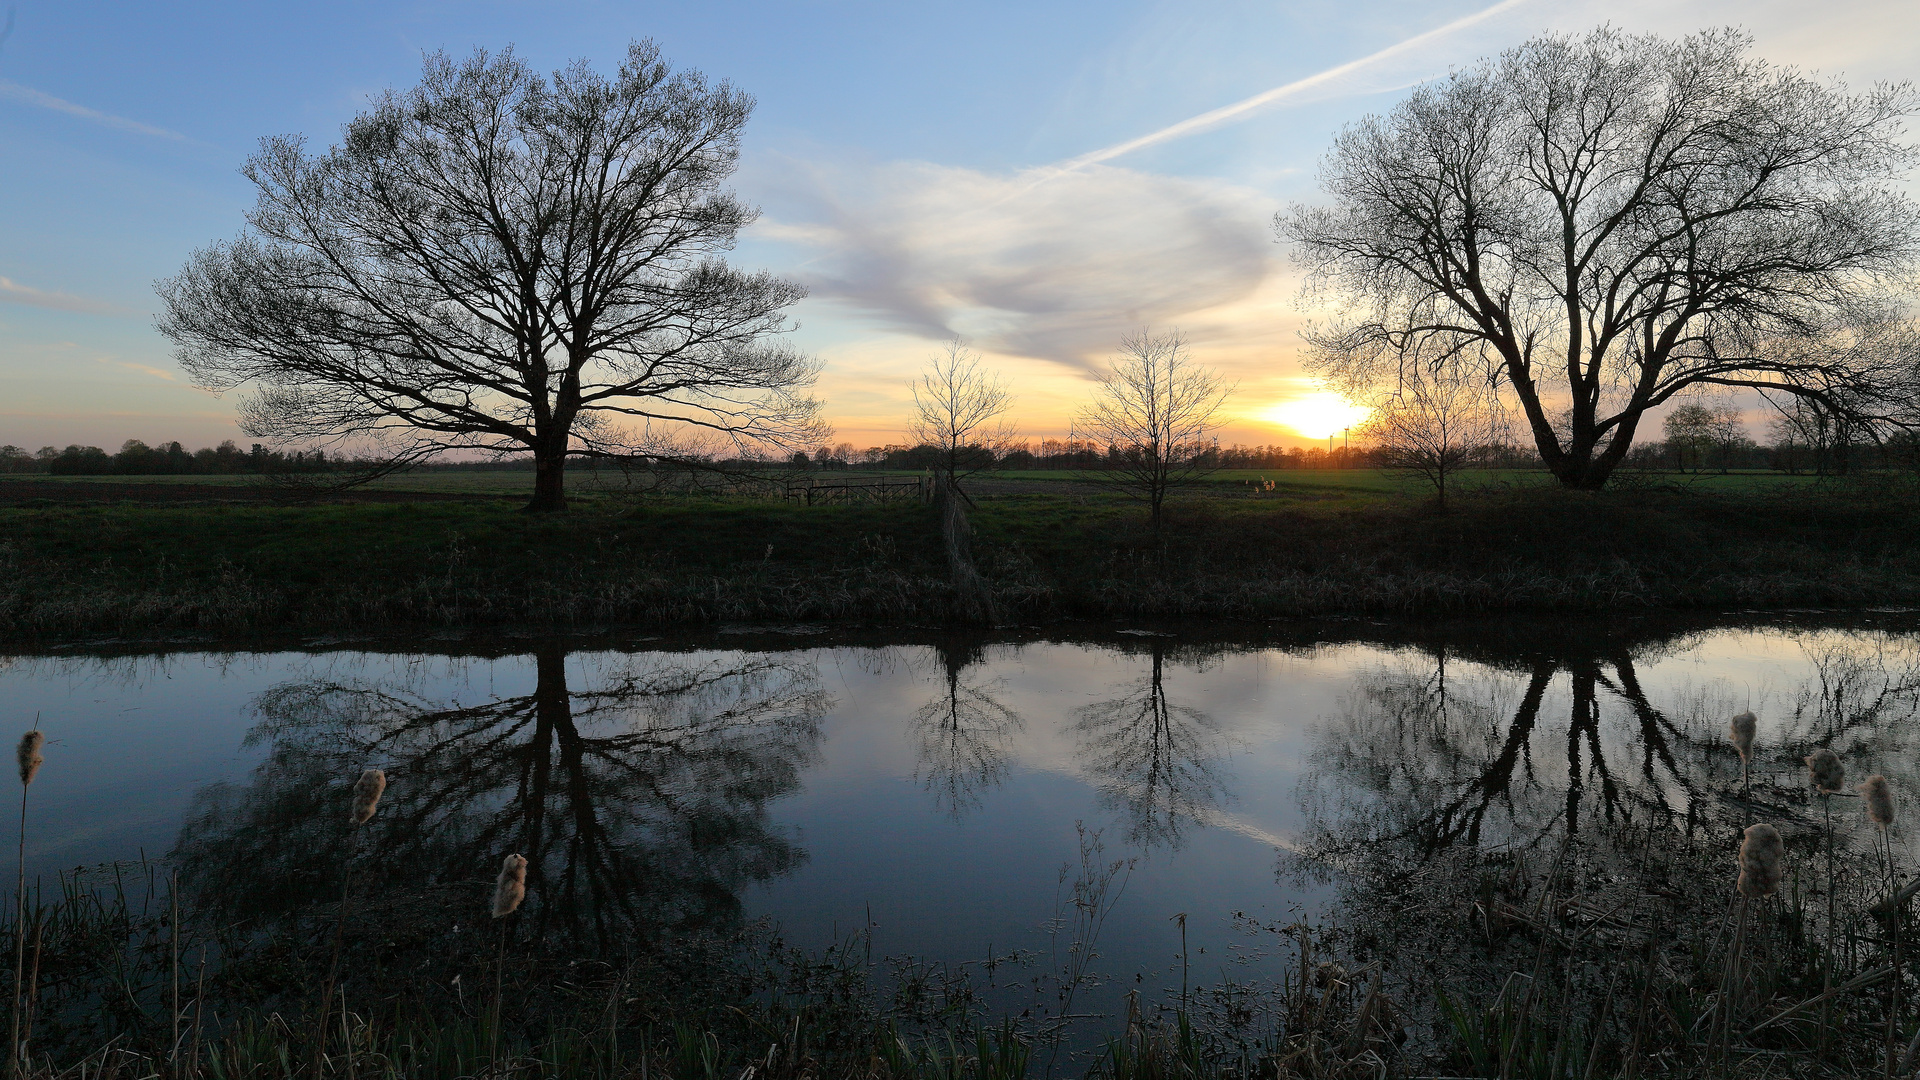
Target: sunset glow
1316	416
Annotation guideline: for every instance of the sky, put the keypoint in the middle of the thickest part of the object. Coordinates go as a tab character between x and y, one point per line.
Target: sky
1036	178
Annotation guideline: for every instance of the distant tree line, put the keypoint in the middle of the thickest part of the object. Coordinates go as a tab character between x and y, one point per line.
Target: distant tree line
1699	439
136	458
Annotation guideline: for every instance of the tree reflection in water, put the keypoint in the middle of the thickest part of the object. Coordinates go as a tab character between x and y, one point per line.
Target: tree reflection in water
1152	760
639	800
1427	756
966	734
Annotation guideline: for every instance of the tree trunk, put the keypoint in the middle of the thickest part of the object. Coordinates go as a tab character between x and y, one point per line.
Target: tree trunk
549	481
1587	468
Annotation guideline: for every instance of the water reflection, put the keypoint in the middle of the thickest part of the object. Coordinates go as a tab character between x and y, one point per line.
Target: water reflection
640	798
1155	762
1433	752
967	733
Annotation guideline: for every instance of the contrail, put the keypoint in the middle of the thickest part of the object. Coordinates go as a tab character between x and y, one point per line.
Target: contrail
1258	101
31	96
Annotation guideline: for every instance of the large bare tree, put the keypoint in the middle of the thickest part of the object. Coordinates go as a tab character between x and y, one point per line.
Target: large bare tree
1619	218
503	262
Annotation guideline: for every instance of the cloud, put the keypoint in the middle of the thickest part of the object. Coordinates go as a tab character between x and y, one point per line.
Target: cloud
144	369
1055	271
31	96
14	292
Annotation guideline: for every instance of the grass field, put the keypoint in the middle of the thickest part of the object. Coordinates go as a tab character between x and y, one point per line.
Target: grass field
587	484
1326	543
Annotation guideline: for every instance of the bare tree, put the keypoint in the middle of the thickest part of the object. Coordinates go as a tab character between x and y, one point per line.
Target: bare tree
1620	218
503	262
965	733
640	798
1434	422
1156	761
1156	410
959	409
1826	436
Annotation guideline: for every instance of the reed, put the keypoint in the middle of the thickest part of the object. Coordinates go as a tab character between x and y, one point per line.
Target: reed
509	889
1826	772
1877	797
1761	854
30	758
364	802
1828	777
1740	732
366	795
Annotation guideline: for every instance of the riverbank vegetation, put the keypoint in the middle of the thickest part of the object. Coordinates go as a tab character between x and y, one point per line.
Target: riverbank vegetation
1244	547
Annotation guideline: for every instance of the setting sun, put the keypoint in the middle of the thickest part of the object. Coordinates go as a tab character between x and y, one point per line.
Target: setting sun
1316	416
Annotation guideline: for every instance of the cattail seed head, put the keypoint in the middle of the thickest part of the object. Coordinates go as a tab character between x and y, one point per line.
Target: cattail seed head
511	887
1879	799
1823	765
1761	850
30	756
1740	730
366	795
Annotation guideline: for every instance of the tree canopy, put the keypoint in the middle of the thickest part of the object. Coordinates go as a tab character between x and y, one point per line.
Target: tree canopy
499	261
1612	220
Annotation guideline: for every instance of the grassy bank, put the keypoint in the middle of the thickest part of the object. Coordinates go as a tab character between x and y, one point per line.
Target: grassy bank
132	569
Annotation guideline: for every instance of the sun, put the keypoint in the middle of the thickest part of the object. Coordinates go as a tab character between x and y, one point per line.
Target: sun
1317	415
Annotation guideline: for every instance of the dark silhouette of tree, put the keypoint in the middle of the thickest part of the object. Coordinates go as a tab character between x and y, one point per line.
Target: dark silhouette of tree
1616	219
502	262
1434	421
1420	762
640	800
1156	410
959	411
964	733
1154	761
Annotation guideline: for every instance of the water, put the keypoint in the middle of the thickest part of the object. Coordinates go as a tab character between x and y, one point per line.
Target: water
946	793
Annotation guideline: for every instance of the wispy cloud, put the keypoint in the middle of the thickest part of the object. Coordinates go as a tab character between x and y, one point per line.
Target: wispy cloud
1053	271
144	369
1054	261
1293	91
30	96
14	292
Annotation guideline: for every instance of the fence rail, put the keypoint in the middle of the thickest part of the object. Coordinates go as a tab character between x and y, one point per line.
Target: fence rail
816	492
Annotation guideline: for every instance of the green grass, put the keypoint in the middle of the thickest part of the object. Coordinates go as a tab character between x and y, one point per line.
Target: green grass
457	483
589	484
1331	543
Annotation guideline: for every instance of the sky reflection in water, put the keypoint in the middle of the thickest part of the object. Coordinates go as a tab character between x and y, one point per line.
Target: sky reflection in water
933	788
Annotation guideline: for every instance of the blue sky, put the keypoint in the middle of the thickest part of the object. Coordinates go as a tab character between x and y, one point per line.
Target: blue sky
908	158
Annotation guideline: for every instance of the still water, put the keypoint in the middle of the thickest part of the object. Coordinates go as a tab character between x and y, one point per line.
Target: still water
945	793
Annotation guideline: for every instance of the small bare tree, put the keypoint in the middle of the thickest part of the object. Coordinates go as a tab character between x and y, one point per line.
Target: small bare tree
502	262
959	409
1434	423
1156	410
1435	401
